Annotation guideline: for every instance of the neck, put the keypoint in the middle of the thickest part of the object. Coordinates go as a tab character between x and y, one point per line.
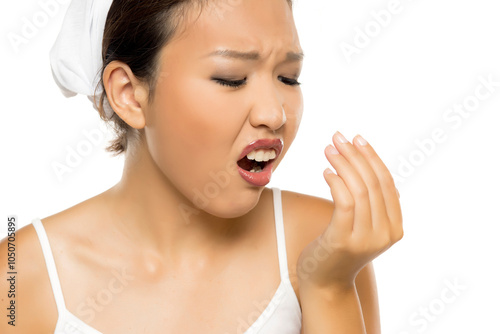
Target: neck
152	215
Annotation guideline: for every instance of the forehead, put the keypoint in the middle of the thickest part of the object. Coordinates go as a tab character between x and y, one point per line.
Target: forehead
265	26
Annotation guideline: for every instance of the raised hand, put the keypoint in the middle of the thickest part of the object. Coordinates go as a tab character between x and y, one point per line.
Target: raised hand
366	219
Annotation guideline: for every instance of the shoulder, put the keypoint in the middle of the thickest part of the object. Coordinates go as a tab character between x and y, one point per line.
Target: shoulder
306	217
35	309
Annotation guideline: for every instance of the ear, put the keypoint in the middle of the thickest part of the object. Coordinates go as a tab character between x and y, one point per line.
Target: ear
127	95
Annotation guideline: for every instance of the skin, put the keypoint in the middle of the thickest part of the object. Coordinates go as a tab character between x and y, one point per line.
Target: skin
182	249
180	151
366	221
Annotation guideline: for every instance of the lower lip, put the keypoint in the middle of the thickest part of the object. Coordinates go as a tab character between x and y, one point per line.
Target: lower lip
259	179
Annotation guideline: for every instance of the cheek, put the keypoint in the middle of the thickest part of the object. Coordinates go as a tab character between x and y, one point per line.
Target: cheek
294	108
191	115
189	134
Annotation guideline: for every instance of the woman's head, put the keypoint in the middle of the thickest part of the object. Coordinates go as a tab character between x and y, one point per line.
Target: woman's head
193	107
135	33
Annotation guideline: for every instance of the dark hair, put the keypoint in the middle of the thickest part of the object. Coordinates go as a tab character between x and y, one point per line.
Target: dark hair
134	33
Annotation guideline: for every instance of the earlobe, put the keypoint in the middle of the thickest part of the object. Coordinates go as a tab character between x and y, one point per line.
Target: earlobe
126	94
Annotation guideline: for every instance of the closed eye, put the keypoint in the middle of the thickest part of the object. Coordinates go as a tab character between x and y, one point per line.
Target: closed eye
231	83
290	82
240	83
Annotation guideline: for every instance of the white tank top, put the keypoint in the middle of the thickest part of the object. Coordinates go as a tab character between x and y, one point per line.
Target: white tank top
282	315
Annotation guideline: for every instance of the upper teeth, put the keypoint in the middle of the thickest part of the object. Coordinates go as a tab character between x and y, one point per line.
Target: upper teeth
261	155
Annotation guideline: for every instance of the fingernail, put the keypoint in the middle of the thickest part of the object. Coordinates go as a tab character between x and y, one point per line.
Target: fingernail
340	137
332	149
361	141
328	171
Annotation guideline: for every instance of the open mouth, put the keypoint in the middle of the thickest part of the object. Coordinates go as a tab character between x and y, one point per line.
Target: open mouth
253	166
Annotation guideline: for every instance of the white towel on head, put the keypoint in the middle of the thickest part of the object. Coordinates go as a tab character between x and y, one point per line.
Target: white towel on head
76	58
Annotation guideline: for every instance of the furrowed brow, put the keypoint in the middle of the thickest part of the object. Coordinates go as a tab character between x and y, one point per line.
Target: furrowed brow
253	55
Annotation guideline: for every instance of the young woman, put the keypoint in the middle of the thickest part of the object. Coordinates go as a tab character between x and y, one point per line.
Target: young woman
205	100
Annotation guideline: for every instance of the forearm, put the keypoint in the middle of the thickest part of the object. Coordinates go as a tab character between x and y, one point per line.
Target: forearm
333	311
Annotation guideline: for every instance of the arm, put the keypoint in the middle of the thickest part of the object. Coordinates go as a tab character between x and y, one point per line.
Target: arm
366	287
333	310
356	304
35	309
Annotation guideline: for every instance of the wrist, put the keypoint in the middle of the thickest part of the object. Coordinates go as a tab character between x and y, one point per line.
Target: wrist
334	295
334	287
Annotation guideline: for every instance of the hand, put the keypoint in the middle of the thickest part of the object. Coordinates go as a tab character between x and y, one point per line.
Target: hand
366	219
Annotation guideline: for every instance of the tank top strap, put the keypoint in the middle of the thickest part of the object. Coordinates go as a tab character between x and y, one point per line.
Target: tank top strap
280	234
51	265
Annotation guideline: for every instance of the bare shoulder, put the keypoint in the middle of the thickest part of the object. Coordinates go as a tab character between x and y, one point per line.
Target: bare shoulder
306	218
35	309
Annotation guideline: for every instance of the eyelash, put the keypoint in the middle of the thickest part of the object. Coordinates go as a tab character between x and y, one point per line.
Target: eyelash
239	83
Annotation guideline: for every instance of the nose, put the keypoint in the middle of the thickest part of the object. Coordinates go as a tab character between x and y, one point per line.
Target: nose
268	109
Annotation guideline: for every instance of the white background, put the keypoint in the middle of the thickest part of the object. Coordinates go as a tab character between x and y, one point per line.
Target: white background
395	92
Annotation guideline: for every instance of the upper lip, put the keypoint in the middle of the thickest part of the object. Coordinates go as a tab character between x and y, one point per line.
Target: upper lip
275	144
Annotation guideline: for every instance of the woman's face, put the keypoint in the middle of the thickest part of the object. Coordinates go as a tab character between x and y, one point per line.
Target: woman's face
197	128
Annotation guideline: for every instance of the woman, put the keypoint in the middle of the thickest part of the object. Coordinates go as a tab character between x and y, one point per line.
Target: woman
205	102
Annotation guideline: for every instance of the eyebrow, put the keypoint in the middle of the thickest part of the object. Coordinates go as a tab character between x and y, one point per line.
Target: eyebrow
253	55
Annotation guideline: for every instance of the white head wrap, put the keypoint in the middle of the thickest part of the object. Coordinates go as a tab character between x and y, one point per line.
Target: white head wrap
76	58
